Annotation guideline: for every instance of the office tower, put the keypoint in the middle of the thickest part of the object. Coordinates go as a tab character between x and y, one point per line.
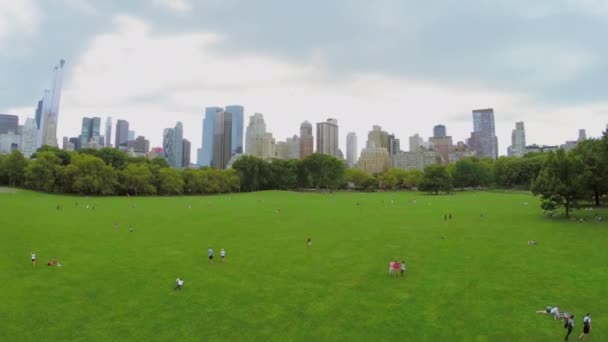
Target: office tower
483	138
518	141
206	151
238	113
582	135
259	143
108	136
90	129
10	141
327	137
28	137
141	145
306	140
38	115
131	136
351	149
442	143
374	160
394	145
186	146
222	140
122	134
49	113
9	123
377	138
439	131
288	149
172	145
415	142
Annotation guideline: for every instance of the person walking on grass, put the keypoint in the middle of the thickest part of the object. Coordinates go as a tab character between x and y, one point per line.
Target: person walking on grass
586	327
210	254
179	284
33	260
222	255
569	325
402	268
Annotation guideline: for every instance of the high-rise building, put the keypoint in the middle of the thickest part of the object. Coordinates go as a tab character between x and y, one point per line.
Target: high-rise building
417	160
439	131
394	145
141	145
76	141
222	140
238	113
259	143
108	135
416	142
122	134
582	135
38	115
9	123
206	151
172	145
306	140
89	133
351	149
377	138
186	146
28	137
288	149
131	136
483	138
374	160
518	141
49	113
327	137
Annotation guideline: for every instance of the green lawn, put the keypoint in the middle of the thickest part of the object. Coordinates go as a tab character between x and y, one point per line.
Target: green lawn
481	283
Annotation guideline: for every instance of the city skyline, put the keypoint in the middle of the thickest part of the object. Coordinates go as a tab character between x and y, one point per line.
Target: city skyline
166	66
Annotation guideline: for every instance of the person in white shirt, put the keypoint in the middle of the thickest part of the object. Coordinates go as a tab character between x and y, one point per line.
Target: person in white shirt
402	268
550	310
222	254
33	259
390	267
210	254
180	284
586	327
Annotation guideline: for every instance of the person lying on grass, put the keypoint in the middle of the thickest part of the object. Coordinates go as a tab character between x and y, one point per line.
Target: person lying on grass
550	310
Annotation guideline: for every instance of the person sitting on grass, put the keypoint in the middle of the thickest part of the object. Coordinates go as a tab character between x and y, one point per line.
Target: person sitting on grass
402	268
391	266
550	310
396	267
532	242
180	284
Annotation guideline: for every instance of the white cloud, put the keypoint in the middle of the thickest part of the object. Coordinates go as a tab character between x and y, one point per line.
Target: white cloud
154	80
19	16
175	5
82	6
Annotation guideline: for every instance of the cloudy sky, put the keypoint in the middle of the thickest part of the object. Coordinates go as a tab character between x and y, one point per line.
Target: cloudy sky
404	65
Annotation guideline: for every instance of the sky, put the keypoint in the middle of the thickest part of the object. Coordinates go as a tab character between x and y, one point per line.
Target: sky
404	65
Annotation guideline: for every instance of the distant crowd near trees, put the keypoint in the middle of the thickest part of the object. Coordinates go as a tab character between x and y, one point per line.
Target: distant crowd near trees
561	179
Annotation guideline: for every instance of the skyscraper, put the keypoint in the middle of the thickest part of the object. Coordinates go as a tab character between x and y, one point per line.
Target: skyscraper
28	137
141	145
258	141
483	138
327	137
206	151
377	138
9	123
122	134
222	140
582	135
351	149
439	131
108	132
415	142
518	141
306	140
238	113
89	132
49	114
131	136
173	145
186	146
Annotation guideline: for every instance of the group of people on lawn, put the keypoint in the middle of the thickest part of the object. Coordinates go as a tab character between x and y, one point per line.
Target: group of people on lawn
569	321
395	266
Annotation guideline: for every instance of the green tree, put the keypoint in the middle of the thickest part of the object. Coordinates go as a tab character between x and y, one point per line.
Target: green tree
560	182
113	157
252	171
137	179
12	167
436	179
356	176
323	171
595	167
393	179
65	156
170	182
89	175
413	178
44	172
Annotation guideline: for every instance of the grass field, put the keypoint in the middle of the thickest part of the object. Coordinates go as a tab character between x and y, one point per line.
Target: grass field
481	283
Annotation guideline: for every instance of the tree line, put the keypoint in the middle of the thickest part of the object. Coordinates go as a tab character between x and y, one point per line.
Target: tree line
561	179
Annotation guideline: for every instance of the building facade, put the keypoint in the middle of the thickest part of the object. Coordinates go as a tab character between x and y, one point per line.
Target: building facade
439	131
206	151
518	141
28	137
306	140
374	160
222	140
186	150
49	109
416	160
351	149
328	138
122	134
238	117
89	132
416	142
172	145
9	123
259	142
483	138
108	134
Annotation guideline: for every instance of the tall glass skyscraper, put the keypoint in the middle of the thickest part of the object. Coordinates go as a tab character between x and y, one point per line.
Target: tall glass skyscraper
206	151
483	138
49	113
122	134
238	113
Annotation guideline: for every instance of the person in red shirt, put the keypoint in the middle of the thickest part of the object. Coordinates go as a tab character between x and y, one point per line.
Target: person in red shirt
396	267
